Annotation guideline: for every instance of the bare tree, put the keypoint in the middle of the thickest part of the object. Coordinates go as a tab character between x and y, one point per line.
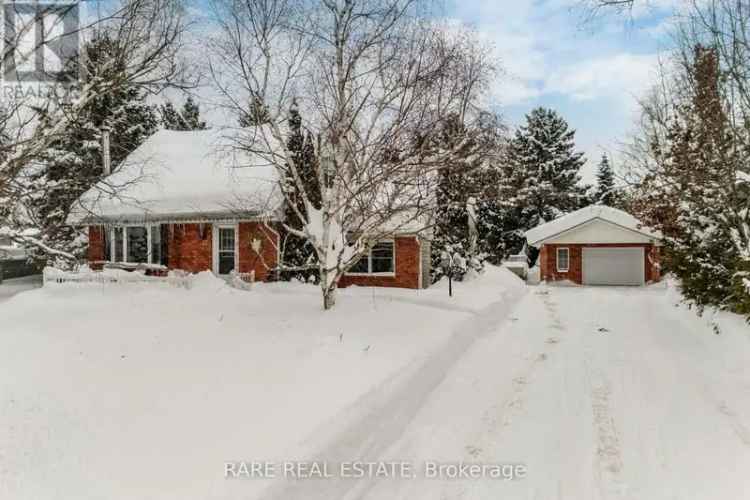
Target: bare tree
689	160
375	79
147	35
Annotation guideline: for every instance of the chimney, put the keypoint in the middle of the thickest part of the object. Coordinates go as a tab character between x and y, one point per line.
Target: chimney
106	156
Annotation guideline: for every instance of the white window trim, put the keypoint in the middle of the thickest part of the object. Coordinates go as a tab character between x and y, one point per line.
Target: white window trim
557	260
113	242
369	262
215	246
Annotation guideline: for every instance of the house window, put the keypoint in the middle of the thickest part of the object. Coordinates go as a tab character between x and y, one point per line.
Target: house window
135	244
119	251
156	245
226	250
107	240
137	248
563	260
379	260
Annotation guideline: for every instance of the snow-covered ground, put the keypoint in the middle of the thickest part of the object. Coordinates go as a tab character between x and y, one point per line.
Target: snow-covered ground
14	286
145	391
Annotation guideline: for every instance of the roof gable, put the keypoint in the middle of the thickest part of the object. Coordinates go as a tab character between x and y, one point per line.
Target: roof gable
174	173
598	223
599	231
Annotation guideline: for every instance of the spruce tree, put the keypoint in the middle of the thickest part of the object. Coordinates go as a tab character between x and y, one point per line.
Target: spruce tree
257	114
457	185
191	113
188	118
73	163
540	179
606	191
298	256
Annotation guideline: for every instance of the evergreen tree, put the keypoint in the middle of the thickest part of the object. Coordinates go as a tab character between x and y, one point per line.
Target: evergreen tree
257	114
456	188
73	163
298	256
539	181
191	113
694	198
186	119
170	117
606	191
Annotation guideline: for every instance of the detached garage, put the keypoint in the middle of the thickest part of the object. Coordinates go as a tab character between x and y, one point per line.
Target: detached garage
597	245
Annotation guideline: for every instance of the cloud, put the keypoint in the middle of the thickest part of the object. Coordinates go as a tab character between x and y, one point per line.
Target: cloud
621	77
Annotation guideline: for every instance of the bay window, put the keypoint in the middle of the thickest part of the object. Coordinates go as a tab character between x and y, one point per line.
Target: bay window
135	244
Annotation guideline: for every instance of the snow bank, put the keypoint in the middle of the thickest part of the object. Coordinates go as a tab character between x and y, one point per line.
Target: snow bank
143	391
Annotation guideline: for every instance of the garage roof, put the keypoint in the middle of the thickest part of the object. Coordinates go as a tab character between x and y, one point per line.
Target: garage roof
540	234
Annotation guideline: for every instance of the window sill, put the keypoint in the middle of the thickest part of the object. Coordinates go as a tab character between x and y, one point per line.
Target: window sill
376	275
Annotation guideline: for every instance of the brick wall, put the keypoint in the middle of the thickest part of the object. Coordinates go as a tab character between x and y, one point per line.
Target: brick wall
249	260
96	243
190	247
548	261
407	254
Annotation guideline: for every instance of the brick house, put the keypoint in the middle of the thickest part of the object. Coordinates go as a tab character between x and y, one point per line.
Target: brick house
190	201
597	245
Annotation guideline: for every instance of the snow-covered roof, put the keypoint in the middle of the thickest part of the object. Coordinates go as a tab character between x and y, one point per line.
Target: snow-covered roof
176	174
12	252
575	219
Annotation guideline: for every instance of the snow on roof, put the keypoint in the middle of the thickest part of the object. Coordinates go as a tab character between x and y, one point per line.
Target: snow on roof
586	214
12	252
177	174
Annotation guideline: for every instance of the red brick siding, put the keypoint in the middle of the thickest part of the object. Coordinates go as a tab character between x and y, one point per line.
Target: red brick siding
268	258
653	263
548	261
191	249
96	244
407	255
188	250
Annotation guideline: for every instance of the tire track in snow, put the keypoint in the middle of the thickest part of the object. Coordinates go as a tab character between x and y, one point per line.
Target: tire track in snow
608	461
378	420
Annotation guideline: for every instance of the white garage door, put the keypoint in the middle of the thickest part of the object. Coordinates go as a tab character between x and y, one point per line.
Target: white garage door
613	266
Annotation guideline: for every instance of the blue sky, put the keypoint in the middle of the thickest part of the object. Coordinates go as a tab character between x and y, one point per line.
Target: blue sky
590	72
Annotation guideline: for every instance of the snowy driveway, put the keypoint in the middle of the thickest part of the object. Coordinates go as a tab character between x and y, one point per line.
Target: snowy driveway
602	393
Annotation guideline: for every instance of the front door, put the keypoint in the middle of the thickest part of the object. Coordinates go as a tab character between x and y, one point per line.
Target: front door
226	255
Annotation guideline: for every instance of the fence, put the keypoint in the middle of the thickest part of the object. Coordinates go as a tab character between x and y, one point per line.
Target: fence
54	276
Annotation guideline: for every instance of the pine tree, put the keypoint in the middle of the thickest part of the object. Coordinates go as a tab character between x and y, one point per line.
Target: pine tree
606	191
73	163
298	256
539	181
